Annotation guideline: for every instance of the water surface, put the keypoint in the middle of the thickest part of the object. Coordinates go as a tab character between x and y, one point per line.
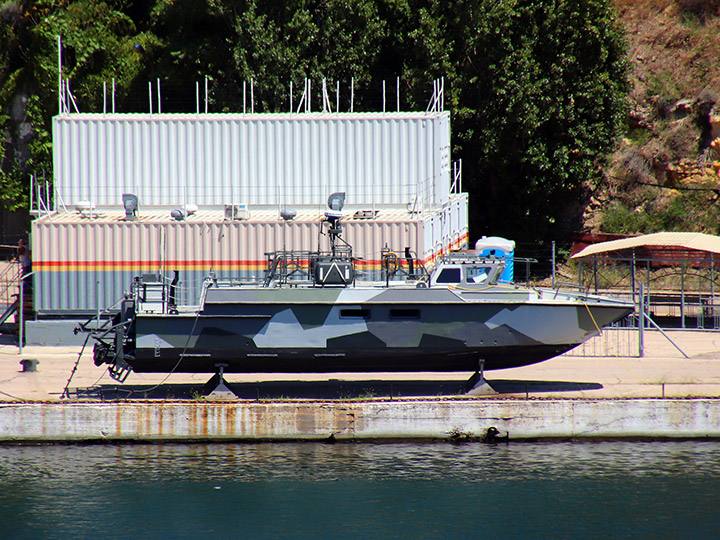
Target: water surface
538	490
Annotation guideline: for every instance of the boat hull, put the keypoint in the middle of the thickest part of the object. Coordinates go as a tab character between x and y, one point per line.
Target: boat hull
366	360
364	337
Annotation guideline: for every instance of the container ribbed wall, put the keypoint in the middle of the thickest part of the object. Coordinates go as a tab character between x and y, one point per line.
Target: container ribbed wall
270	159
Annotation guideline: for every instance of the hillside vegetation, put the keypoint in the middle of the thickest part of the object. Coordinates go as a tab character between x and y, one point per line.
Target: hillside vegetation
664	175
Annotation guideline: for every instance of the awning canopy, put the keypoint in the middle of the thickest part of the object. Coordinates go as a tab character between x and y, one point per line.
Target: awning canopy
650	243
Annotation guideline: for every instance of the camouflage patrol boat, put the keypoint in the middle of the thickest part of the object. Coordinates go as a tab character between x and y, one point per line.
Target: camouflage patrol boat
311	314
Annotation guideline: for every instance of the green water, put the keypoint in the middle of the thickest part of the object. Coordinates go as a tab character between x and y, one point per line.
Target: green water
549	490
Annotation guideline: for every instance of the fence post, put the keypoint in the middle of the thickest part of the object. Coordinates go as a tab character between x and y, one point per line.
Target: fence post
682	295
553	264
641	324
21	310
595	274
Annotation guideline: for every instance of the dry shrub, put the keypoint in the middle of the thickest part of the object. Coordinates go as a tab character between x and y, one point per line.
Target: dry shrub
701	8
682	138
631	166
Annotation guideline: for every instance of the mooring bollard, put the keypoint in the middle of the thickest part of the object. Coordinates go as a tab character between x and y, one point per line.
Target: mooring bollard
29	364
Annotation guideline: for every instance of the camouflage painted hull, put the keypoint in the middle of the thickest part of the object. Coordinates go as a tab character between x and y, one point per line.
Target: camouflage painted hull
367	329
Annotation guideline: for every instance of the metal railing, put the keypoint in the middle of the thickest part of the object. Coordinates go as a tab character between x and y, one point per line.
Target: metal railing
9	282
626	337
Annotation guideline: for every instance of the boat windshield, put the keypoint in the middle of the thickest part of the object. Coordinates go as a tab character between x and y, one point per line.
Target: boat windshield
477	274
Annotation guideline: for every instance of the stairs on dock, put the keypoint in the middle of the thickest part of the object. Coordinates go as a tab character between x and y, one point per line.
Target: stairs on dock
11	310
10	275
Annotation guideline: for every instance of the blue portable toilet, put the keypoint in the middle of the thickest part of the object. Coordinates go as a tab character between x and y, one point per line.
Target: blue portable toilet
502	248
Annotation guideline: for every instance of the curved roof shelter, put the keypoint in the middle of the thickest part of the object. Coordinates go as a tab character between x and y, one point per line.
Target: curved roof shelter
662	245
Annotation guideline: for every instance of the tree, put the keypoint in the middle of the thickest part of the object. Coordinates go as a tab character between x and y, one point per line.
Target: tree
535	87
98	45
539	102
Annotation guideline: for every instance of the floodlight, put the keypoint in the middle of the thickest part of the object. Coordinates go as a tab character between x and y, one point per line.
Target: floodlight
336	201
130	202
288	213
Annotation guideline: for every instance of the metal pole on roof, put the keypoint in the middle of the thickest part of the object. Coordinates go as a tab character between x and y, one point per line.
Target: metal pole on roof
291	96
553	264
383	96
337	96
398	93
206	94
352	93
453	178
442	93
252	96
327	95
301	103
158	96
460	173
244	97
60	83
104	98
150	95
197	97
70	97
429	108
113	96
324	96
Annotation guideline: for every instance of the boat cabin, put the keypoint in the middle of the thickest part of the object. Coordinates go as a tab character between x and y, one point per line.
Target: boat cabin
467	272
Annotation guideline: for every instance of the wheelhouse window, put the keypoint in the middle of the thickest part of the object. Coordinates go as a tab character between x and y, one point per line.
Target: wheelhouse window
404	313
354	313
449	275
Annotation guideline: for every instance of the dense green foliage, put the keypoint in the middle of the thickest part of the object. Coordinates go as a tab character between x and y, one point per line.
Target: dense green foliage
535	87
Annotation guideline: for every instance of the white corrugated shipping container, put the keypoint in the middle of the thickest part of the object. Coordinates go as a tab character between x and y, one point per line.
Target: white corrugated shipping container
211	160
83	263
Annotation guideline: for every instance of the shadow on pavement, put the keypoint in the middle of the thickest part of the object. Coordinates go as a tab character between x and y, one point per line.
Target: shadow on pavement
332	389
8	339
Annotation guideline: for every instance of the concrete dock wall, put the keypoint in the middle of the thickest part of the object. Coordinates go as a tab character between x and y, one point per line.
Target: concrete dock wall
358	420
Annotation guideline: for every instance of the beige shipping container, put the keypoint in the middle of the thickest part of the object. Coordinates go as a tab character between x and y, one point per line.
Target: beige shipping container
82	264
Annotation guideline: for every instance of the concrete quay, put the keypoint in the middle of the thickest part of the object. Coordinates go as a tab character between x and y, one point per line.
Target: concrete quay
662	395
